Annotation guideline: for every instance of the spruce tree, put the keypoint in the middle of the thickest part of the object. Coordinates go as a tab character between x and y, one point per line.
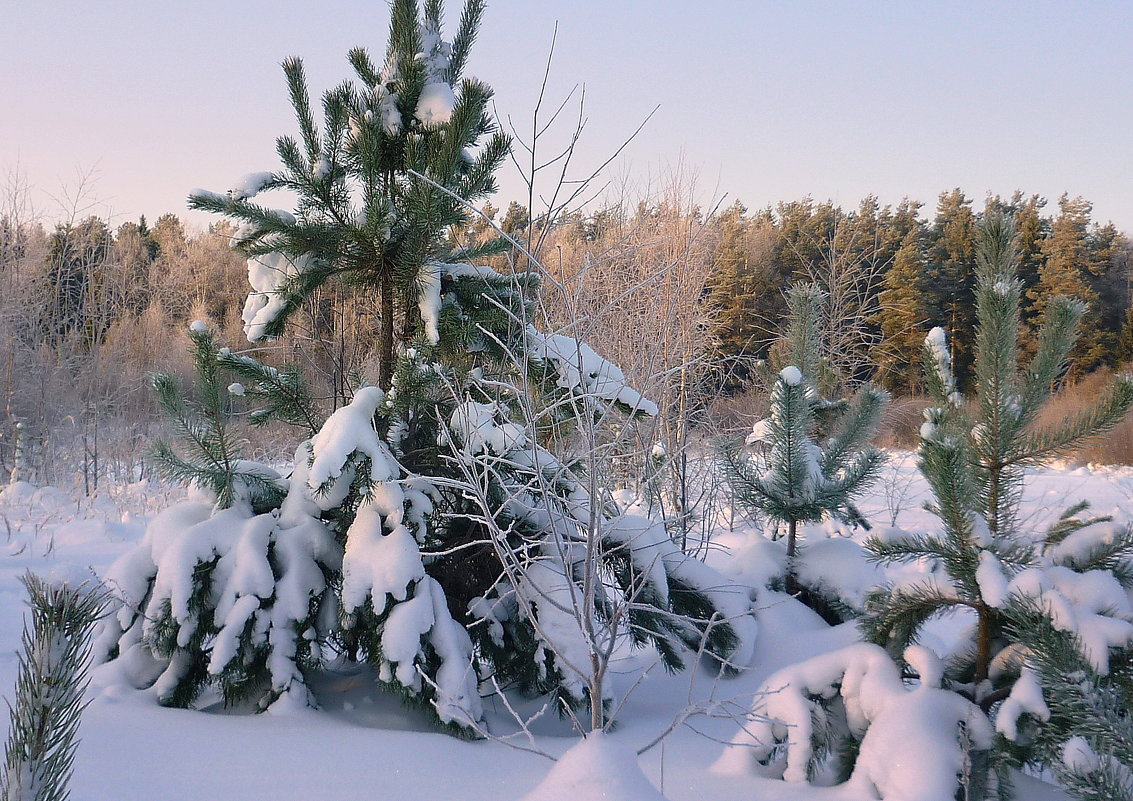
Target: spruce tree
815	461
426	529
974	455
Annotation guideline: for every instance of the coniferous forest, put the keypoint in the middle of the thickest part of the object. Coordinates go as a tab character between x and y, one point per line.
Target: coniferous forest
95	308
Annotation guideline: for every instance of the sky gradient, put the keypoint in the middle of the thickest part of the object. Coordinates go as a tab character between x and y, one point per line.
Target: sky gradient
764	101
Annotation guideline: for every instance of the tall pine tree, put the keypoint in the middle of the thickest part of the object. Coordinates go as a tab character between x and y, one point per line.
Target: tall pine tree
425	528
902	316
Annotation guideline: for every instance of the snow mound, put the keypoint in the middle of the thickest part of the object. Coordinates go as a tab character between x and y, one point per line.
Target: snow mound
597	769
910	738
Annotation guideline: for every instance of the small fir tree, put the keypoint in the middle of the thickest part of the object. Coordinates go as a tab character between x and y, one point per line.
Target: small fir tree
209	451
799	477
974	455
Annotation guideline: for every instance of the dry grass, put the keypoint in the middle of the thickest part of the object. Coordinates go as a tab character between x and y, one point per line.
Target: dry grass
899	429
1114	447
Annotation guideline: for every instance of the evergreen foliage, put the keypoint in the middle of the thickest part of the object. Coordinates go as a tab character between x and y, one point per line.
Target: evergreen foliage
210	458
974	454
798	477
1065	272
951	299
733	297
425	529
42	735
902	315
1085	732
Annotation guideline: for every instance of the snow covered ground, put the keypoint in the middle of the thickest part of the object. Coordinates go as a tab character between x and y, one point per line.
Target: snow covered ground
362	744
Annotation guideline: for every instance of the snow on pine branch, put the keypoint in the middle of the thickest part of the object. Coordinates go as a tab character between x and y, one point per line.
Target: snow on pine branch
269	276
437	100
937	344
584	373
910	738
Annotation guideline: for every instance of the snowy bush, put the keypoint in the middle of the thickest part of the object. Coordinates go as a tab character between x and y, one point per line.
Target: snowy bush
906	742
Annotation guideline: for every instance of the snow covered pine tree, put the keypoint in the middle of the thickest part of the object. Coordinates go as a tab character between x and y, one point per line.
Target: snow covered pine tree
795	479
375	552
1028	592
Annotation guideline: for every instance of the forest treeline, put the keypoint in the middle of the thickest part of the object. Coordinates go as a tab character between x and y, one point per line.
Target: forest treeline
88	310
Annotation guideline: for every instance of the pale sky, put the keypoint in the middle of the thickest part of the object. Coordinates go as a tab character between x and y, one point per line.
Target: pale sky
766	101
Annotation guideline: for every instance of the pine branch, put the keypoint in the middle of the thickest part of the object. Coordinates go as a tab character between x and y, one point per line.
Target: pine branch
465	35
43	733
1057	334
301	103
1097	420
894	615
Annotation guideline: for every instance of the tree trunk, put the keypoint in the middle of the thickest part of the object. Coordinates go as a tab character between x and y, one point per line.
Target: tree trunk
385	368
792	532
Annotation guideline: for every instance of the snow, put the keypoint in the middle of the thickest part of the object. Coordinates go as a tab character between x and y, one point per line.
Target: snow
1078	757
250	185
133	750
377	565
909	748
198	327
582	371
597	769
791	376
429	299
478	428
937	343
760	432
268	276
350	430
991	580
558	622
1026	698
838	565
236	389
436	104
1092	605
